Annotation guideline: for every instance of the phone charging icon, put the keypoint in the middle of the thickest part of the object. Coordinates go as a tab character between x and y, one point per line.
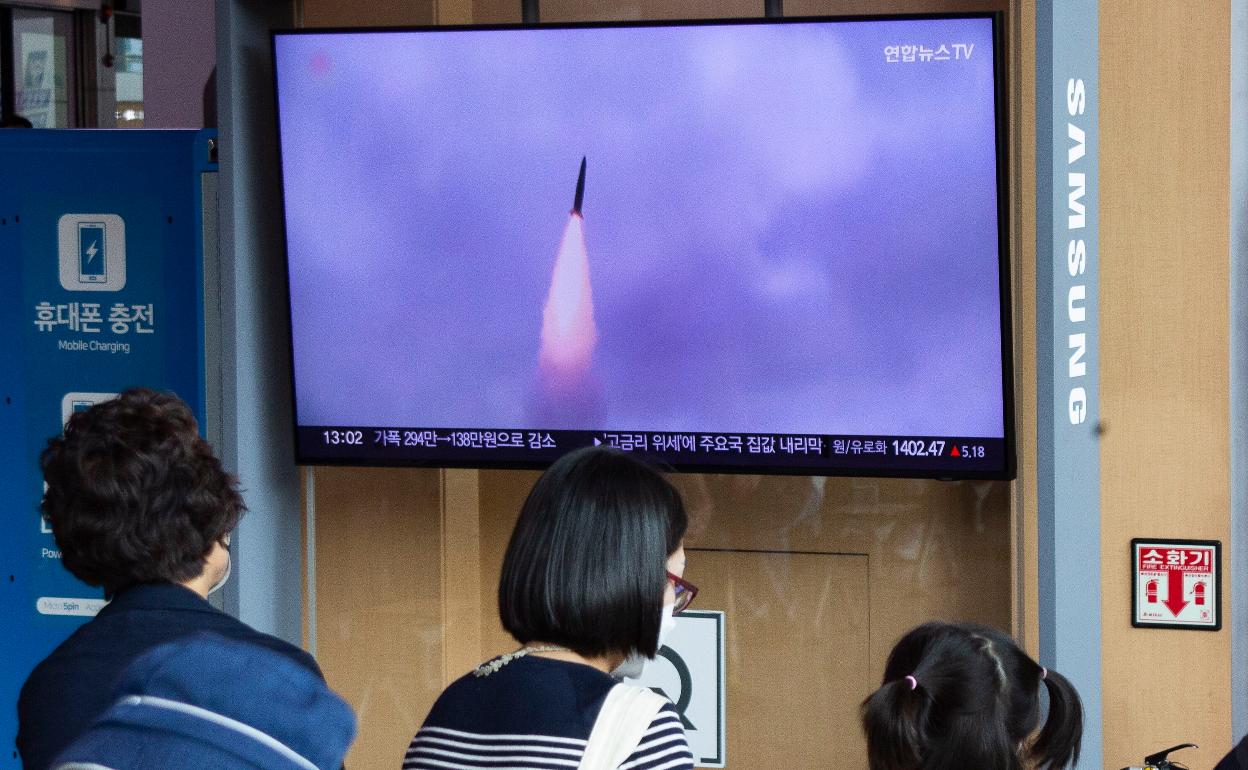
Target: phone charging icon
81	401
92	252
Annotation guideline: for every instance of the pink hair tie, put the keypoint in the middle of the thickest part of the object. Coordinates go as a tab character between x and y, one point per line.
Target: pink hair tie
1044	673
914	683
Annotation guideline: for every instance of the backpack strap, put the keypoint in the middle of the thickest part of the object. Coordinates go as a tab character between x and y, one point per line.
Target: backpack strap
625	716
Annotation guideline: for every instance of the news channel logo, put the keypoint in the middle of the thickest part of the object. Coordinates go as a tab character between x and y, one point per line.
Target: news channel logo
92	251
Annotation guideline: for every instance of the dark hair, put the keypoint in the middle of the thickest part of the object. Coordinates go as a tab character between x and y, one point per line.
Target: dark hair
586	565
134	494
973	701
15	121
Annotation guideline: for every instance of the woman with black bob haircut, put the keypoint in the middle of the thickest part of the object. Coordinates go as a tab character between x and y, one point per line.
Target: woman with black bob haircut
958	695
591	580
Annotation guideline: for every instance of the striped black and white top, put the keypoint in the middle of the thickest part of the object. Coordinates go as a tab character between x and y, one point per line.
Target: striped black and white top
534	714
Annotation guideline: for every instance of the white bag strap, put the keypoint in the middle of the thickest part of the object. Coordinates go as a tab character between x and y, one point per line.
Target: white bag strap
626	715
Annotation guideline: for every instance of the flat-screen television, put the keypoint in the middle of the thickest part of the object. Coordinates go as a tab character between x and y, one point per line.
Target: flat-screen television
744	245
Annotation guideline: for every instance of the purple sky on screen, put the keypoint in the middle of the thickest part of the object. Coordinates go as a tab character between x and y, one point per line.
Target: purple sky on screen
786	232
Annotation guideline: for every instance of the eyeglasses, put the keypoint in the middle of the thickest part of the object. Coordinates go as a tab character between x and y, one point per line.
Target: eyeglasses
685	593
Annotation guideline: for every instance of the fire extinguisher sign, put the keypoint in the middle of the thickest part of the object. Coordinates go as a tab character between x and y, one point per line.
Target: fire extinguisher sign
1178	584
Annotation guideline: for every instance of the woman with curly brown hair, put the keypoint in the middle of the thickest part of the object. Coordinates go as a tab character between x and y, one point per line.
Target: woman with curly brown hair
141	508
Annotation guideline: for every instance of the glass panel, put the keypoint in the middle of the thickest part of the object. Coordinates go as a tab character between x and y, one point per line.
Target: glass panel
44	51
129	67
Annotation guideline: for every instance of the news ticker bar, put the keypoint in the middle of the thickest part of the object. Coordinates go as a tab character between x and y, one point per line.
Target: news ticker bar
797	451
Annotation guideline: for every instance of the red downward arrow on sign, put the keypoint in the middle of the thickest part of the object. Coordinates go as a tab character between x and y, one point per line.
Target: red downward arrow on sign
1174	593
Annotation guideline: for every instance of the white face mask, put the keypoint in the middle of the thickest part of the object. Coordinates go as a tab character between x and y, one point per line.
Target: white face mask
667	623
229	567
635	663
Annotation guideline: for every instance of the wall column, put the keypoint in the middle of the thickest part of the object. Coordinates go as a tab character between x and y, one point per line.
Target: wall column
266	590
1067	352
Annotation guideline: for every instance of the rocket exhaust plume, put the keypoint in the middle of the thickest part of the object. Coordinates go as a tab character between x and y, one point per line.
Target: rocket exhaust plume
568	331
568	390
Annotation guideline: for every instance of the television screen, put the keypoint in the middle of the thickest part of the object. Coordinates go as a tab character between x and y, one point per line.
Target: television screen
762	246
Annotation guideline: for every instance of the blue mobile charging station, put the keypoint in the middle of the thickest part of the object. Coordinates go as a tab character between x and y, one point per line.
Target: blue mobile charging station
101	288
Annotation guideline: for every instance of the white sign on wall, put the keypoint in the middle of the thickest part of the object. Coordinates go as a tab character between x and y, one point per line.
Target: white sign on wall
92	252
1177	583
81	402
689	671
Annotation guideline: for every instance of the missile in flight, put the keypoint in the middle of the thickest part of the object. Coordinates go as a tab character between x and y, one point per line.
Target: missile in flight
568	393
580	190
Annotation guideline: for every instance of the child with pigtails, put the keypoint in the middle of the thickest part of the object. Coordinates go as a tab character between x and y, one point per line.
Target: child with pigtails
962	696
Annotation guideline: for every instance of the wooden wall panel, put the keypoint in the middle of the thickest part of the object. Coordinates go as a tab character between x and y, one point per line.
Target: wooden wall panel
607	10
917	550
379	601
1165	122
1025	547
864	7
502	494
496	11
920	550
376	13
462	591
797	630
632	10
936	549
